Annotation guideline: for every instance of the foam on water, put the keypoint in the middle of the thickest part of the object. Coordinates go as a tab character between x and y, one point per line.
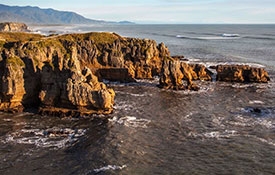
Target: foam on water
131	121
123	106
214	134
252	121
208	37
49	138
256	102
107	168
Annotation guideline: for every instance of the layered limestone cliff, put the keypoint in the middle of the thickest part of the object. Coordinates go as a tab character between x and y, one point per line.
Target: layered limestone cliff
241	73
61	72
175	71
178	75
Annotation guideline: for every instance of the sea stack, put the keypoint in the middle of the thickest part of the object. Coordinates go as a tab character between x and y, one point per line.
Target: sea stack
241	73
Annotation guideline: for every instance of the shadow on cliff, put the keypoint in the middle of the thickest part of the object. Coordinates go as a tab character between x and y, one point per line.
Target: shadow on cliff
1	75
32	85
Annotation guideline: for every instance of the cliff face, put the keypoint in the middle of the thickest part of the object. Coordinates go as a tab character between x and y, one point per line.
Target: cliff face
141	58
61	72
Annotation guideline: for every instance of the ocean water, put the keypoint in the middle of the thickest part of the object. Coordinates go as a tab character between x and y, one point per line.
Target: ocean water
224	128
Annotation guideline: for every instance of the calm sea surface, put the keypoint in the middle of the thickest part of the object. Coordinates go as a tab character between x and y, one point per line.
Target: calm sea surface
152	131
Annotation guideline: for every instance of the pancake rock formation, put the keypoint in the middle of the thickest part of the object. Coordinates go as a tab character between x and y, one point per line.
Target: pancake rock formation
241	73
175	71
61	74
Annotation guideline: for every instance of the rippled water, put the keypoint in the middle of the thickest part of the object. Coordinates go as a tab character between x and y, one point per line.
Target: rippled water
224	128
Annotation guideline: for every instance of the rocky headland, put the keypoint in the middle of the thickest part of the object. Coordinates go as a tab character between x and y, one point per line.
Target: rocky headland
14	27
62	75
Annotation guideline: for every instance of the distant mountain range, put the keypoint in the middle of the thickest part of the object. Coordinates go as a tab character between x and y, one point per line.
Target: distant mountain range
36	15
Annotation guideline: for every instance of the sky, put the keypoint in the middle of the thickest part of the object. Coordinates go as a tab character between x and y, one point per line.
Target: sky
164	11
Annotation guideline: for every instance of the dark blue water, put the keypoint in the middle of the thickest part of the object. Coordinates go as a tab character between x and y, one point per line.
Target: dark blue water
152	131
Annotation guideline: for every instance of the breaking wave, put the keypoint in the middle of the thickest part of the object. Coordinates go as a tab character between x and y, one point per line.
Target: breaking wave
214	37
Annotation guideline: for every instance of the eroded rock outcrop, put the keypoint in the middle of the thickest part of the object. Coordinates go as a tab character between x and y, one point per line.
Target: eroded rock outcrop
12	84
175	71
61	75
61	72
241	73
13	27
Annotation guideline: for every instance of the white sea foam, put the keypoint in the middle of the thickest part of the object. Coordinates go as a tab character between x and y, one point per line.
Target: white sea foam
256	102
7	120
208	37
230	35
252	122
215	134
131	121
218	134
188	117
50	138
109	167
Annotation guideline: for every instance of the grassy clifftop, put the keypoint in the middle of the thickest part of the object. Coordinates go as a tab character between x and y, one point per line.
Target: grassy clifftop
19	36
97	37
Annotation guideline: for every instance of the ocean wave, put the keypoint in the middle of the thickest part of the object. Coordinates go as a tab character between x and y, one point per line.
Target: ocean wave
49	138
266	141
256	102
131	121
245	121
123	106
230	35
106	168
259	37
207	37
215	134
